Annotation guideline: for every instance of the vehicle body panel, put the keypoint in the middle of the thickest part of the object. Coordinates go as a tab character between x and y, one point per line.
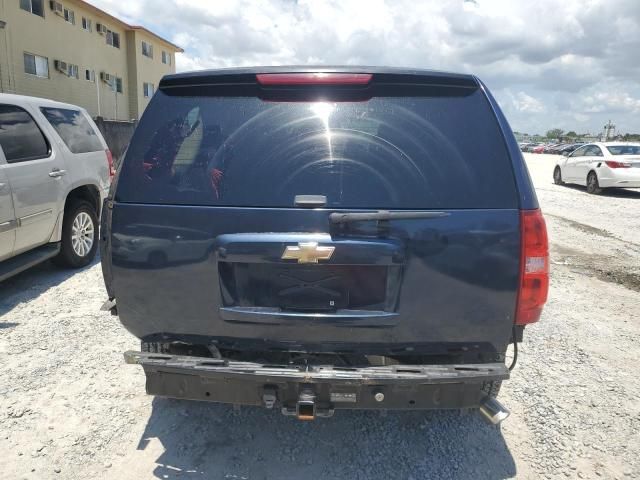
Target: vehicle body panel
527	199
618	177
7	215
583	164
575	163
38	197
459	275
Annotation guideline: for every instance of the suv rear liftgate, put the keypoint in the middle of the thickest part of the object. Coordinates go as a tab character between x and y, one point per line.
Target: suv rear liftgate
317	240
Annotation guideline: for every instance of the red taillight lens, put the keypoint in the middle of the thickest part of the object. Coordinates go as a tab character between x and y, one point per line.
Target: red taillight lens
112	169
614	164
313	78
534	268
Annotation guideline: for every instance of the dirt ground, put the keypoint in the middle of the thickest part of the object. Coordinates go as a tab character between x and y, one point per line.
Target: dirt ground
70	408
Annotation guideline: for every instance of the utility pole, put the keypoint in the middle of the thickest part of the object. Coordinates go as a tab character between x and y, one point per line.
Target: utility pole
3	24
97	80
608	128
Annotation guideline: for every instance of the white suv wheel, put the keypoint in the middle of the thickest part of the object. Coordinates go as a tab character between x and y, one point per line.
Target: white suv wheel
82	234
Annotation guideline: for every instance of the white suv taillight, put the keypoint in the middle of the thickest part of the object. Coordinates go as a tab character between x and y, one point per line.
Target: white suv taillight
534	267
112	169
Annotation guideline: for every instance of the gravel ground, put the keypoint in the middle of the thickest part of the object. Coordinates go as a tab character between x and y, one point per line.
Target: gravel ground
70	408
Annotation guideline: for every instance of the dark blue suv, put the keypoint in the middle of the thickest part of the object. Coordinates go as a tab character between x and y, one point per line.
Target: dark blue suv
322	238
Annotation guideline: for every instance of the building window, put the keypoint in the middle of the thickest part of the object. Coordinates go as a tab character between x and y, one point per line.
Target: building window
33	6
69	16
166	57
147	49
86	24
90	75
147	89
117	85
36	65
72	70
113	39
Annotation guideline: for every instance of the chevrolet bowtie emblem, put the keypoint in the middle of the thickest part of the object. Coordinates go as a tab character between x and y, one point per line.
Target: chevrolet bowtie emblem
307	252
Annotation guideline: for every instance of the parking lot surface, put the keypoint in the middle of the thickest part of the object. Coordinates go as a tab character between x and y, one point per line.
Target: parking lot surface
70	408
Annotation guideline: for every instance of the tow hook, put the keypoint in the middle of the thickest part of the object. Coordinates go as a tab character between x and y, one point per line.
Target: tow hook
493	411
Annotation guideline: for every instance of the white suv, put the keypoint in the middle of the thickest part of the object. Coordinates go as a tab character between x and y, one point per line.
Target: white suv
55	171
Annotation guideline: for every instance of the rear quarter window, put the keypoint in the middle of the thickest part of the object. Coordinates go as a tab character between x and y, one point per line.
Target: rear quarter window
384	153
74	129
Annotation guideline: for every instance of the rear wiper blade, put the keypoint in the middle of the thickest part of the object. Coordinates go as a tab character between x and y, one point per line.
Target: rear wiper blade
382	215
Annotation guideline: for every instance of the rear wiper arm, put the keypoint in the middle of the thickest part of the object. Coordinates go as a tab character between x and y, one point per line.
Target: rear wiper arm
382	215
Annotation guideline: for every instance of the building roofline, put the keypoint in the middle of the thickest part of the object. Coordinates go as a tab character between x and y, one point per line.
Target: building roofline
146	30
127	26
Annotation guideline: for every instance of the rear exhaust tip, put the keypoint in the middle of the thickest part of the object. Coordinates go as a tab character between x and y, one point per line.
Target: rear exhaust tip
493	411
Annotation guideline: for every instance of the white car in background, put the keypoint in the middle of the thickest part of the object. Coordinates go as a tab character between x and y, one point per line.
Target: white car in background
600	165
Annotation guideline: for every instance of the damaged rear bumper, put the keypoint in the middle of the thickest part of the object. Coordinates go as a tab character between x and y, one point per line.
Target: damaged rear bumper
309	391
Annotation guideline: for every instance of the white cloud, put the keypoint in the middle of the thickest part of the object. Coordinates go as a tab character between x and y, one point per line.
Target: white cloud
526	103
611	101
557	56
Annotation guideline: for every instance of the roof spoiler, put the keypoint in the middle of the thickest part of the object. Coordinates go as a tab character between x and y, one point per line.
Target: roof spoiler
378	76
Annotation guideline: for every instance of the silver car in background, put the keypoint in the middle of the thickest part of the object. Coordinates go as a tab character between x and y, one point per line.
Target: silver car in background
55	171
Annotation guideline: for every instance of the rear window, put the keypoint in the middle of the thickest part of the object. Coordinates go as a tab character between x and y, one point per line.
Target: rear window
387	152
74	129
624	149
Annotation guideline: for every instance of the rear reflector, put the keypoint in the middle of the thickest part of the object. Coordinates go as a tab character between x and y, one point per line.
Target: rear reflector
534	269
112	169
614	164
313	78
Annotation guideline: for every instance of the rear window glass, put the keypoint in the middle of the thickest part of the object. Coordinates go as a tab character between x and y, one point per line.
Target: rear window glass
624	149
20	137
387	152
74	129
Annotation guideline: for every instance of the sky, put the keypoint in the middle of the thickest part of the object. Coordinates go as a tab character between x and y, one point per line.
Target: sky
570	64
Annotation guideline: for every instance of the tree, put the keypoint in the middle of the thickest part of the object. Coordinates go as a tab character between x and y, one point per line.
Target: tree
555	133
571	134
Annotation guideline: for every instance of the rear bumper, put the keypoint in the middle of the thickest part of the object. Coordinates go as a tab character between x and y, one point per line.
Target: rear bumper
611	183
619	177
329	388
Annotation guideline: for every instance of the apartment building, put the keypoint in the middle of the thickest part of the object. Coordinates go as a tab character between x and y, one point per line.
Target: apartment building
73	52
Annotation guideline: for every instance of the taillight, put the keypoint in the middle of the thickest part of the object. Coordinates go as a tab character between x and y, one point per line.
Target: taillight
534	268
614	164
313	78
112	169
